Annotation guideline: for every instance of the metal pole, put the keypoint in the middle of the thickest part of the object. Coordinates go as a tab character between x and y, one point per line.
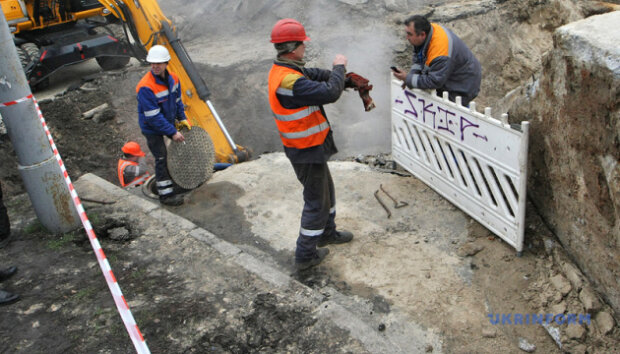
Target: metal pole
221	124
38	166
523	151
199	84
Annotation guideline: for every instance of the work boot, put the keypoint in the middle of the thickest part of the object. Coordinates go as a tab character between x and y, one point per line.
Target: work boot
7	273
7	298
173	200
337	237
318	258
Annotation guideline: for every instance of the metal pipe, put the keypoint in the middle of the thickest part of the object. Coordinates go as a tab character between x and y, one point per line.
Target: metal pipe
192	72
221	124
389	213
397	204
38	167
186	62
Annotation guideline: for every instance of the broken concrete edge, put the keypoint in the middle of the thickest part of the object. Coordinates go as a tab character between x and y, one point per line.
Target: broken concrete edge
593	300
568	268
349	314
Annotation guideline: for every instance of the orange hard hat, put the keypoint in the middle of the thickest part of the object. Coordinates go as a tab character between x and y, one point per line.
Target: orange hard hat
288	30
133	148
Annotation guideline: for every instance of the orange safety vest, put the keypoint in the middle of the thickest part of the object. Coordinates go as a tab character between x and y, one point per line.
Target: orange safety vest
122	164
301	127
440	45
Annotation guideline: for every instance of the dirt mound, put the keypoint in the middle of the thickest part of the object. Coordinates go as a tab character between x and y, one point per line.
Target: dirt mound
85	145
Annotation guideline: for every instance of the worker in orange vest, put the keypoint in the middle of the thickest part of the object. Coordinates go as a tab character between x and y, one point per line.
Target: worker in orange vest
131	172
296	96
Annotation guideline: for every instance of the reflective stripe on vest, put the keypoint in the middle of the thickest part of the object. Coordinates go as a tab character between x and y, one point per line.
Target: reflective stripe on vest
299	115
301	127
160	91
306	133
161	94
122	165
139	180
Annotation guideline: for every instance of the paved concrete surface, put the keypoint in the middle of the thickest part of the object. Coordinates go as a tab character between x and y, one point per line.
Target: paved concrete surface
353	314
424	279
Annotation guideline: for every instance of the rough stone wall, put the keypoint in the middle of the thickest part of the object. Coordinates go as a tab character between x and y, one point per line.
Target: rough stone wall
574	154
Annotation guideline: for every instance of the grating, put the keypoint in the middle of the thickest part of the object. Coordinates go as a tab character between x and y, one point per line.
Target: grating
190	163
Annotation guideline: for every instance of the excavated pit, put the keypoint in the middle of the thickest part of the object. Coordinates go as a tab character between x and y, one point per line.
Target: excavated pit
429	272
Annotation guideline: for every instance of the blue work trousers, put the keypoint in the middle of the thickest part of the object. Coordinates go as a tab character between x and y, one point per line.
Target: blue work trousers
165	186
318	216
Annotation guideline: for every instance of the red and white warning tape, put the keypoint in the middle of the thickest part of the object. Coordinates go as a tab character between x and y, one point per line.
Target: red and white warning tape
10	103
119	299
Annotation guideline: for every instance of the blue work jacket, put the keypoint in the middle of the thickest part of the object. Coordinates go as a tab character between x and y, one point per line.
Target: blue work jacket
159	104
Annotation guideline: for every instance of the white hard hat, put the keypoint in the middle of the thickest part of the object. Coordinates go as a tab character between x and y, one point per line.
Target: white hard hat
158	54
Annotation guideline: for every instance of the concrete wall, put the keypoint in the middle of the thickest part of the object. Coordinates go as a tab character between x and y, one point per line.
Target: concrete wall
574	181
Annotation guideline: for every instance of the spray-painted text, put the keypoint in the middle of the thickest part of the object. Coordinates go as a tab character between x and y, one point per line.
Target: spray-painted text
438	117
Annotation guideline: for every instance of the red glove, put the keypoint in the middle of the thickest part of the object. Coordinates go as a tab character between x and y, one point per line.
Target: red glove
360	84
355	81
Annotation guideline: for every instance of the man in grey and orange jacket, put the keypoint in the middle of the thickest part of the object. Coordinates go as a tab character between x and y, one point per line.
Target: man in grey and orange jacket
441	61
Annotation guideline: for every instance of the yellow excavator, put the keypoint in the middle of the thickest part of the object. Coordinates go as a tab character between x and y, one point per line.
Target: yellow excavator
50	34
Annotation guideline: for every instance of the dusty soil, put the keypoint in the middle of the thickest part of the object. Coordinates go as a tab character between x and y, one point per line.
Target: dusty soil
85	145
185	301
179	289
444	271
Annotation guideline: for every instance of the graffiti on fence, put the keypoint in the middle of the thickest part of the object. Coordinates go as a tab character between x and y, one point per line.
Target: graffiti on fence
440	118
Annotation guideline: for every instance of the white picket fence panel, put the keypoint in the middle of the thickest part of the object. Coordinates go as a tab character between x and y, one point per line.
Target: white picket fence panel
475	161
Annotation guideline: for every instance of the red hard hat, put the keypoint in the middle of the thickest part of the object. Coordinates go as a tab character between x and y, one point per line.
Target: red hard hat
288	30
133	148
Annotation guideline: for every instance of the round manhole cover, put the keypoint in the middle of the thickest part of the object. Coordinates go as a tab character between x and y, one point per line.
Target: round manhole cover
190	163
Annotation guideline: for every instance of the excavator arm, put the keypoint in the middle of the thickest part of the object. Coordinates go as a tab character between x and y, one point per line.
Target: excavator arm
147	25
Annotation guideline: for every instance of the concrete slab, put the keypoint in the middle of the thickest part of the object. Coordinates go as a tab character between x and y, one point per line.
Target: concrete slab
406	284
351	314
406	265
